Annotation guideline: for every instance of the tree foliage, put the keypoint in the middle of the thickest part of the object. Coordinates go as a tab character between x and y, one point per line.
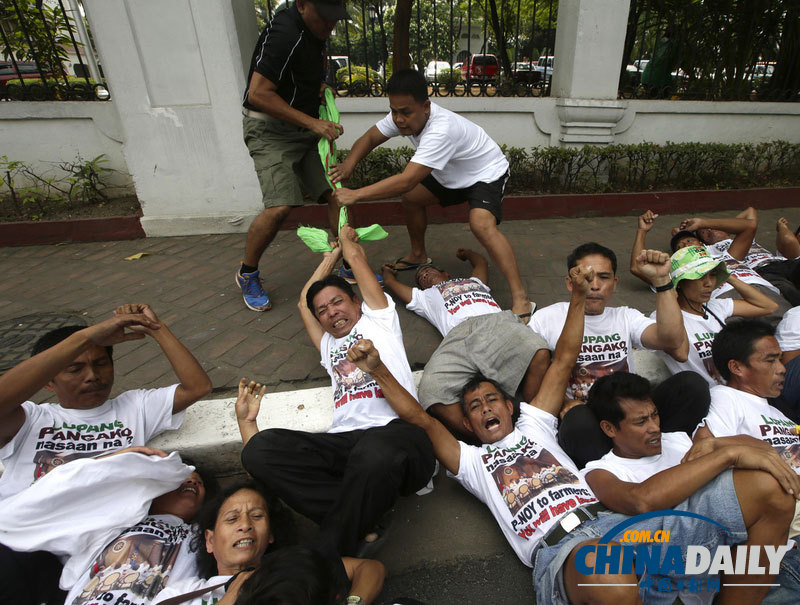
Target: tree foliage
36	33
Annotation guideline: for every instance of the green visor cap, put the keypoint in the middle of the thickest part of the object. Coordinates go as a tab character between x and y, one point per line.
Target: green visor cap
693	262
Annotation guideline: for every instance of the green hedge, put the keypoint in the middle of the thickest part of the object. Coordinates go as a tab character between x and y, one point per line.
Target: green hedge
56	90
624	168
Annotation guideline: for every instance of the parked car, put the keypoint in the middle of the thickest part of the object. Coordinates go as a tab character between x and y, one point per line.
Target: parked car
480	67
27	71
545	66
457	66
525	71
335	63
433	70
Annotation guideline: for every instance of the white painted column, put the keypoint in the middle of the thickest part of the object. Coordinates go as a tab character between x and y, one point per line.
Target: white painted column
177	71
590	37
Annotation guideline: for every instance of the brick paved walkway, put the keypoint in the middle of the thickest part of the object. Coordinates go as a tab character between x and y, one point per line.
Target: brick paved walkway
189	283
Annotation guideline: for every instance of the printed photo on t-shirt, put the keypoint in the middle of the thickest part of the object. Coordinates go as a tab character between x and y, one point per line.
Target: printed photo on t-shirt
351	382
458	293
585	375
136	566
781	435
46	461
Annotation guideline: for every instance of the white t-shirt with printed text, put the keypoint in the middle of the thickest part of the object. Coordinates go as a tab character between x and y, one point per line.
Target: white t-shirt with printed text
447	304
788	331
134	567
637	470
608	339
526	479
734	412
459	151
358	400
744	270
52	435
192	584
701	333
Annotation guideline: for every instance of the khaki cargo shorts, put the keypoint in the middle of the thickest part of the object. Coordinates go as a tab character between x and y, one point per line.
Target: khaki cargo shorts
286	160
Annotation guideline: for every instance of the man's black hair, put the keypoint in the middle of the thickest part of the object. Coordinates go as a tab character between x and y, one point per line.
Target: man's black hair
53	337
281	523
679	235
474	383
737	341
408	82
296	575
421	267
321	284
606	392
591	248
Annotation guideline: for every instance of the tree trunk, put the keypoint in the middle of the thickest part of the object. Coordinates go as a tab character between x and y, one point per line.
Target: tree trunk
784	84
499	35
402	25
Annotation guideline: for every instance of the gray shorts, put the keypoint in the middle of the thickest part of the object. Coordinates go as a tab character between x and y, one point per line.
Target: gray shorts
716	500
498	345
286	160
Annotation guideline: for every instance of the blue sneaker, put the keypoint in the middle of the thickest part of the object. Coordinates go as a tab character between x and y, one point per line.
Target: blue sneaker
252	291
347	275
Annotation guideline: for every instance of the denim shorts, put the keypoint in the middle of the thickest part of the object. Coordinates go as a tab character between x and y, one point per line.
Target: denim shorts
716	500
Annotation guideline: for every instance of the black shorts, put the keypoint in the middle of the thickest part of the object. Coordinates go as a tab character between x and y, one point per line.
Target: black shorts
488	196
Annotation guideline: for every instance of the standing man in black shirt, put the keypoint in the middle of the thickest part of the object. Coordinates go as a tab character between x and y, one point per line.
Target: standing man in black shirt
281	127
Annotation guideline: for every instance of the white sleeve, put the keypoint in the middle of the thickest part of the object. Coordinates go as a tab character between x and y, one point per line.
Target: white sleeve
724	416
542	323
32	412
723	307
420	304
637	324
469	470
435	149
387	127
156	406
386	317
603	465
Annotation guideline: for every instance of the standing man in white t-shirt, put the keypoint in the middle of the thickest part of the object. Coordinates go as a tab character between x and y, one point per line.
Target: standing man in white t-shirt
348	478
76	364
455	161
479	337
647	470
610	334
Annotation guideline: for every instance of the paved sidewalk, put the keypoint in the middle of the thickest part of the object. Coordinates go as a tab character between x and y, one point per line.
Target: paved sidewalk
189	283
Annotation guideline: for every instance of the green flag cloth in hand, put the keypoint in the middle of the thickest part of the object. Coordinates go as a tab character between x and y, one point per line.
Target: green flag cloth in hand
327	149
317	239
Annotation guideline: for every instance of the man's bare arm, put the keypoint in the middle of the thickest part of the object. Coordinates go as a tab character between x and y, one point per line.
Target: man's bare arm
22	381
754	303
550	396
263	95
743	228
644	224
668	333
366	577
392	186
446	447
672	486
313	329
480	266
194	382
247	406
361	148
390	282
354	254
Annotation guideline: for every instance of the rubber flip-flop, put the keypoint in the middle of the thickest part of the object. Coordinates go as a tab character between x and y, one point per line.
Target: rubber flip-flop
367	550
404	265
526	317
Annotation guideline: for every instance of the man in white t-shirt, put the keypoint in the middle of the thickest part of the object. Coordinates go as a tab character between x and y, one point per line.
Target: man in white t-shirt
610	334
348	478
454	161
479	337
748	357
647	470
76	364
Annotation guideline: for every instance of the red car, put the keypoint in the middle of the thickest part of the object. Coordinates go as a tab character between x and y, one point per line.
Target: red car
480	67
27	70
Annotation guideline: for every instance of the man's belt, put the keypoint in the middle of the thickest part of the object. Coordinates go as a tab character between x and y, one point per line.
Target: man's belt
250	113
570	521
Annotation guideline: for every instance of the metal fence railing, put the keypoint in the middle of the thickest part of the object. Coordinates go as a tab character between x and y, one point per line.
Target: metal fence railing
47	53
721	51
463	47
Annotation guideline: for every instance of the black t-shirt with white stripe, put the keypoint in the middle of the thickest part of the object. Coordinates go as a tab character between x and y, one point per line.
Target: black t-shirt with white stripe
290	57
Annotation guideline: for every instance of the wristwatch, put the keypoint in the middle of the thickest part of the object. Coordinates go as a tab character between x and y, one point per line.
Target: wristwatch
354	600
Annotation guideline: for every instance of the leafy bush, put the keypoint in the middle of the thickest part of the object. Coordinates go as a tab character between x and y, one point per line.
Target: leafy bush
449	77
623	168
354	78
75	89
